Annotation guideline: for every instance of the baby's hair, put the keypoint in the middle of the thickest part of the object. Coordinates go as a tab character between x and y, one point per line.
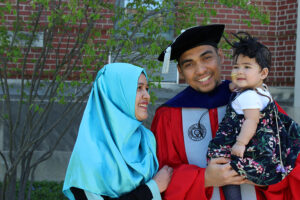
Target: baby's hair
249	46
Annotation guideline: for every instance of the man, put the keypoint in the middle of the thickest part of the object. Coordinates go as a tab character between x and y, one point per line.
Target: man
185	124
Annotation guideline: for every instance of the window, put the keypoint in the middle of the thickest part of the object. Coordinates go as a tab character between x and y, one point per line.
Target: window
23	37
150	7
136	34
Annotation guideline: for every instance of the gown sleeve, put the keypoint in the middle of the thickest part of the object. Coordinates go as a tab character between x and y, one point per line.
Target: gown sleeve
187	181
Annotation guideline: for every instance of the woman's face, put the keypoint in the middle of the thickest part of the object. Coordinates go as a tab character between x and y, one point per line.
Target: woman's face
142	99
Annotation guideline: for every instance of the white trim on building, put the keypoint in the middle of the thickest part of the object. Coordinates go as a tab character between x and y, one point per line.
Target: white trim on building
297	63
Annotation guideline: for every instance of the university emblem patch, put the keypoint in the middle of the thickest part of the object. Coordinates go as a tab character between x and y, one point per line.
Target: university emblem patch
197	132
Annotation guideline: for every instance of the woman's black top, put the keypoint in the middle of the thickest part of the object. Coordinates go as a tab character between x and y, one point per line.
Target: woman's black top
140	193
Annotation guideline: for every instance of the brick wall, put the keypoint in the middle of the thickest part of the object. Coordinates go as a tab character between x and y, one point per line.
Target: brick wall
279	35
62	42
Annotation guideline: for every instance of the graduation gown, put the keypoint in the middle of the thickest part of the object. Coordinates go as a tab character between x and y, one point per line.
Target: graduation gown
185	150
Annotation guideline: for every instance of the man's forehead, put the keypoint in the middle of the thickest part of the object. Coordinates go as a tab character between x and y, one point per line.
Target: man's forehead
200	50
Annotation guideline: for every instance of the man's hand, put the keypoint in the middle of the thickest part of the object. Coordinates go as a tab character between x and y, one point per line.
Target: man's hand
163	177
219	172
238	149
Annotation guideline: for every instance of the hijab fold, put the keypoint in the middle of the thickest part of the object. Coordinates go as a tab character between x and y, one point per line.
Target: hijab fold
114	153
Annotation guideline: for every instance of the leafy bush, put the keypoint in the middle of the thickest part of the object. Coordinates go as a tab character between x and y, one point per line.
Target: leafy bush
47	191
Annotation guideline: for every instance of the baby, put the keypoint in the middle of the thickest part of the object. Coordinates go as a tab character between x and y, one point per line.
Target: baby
262	144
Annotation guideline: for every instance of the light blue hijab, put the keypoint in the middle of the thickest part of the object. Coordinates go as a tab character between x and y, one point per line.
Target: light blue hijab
114	153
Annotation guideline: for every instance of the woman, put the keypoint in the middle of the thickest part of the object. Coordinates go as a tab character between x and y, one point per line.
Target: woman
115	155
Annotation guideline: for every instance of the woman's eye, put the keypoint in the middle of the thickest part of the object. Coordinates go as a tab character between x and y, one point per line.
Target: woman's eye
142	88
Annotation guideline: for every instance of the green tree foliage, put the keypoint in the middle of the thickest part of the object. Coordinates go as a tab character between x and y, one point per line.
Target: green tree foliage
79	37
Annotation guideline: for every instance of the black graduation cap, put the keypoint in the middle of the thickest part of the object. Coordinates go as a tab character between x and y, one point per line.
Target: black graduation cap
190	38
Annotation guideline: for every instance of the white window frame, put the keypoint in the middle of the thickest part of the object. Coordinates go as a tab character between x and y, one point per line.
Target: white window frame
150	8
37	42
172	76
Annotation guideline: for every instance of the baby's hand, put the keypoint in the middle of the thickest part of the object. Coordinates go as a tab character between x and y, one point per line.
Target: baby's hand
238	149
233	87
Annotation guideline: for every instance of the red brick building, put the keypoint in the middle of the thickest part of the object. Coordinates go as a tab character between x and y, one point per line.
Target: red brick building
279	35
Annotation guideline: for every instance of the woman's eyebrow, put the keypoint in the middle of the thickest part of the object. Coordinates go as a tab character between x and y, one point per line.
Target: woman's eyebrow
141	83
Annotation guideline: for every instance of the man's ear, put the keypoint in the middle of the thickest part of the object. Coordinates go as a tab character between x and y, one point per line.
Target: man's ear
179	69
221	55
264	73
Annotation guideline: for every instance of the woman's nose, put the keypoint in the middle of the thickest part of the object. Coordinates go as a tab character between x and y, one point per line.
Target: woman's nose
146	95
